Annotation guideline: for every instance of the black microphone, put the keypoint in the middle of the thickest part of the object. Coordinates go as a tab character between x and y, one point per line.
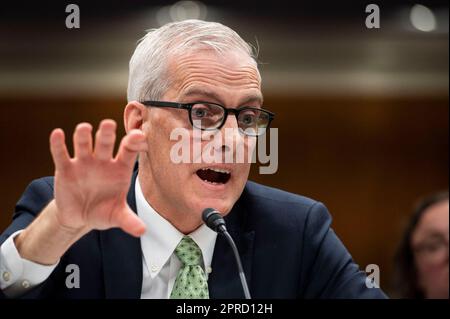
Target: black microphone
214	220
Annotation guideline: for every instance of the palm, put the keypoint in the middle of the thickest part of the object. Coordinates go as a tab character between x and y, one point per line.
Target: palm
91	188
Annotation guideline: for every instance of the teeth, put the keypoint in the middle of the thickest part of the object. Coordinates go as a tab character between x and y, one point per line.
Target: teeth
217	170
214	183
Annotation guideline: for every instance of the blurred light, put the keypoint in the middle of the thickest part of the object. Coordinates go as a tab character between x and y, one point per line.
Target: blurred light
162	16
181	10
422	18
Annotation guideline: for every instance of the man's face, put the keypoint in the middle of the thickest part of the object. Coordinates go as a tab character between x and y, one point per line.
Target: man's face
181	190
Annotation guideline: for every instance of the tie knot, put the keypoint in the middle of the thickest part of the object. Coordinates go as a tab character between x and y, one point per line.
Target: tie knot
188	252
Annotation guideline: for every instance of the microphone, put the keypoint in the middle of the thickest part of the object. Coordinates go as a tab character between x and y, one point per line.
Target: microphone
214	220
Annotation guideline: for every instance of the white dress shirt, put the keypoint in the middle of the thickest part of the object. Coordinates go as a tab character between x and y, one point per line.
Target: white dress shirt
160	265
18	275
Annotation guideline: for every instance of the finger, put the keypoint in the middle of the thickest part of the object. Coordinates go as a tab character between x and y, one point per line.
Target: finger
133	143
105	139
130	223
82	141
58	149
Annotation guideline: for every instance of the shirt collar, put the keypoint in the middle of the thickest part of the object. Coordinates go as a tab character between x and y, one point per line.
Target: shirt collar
161	237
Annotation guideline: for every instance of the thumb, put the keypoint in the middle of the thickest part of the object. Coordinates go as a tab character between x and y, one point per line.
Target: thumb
130	223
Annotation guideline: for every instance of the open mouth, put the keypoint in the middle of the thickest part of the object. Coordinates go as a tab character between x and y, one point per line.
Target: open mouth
214	176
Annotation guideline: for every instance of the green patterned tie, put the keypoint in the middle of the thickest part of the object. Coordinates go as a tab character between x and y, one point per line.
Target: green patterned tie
191	279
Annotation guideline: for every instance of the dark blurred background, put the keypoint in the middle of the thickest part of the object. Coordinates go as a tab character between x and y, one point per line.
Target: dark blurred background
362	113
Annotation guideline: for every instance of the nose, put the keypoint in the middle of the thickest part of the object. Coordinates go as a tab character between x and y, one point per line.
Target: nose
231	138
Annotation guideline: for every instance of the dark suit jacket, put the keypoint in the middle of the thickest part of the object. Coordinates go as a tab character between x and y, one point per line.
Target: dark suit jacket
287	247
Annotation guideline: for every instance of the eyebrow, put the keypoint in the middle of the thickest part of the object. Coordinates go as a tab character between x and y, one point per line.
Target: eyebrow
429	235
433	234
213	95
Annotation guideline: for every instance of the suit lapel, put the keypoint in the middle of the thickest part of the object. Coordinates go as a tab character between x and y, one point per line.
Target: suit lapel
224	282
122	258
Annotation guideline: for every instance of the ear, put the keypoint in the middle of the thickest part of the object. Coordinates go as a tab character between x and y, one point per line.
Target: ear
134	116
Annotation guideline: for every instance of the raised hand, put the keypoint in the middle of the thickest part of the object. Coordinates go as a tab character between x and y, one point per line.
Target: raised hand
91	187
90	192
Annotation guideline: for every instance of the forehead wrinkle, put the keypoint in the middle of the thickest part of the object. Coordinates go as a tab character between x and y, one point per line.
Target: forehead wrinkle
213	63
242	79
216	66
189	90
190	80
192	64
194	58
243	73
234	81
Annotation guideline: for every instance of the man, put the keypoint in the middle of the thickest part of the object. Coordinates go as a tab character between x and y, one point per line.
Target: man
138	233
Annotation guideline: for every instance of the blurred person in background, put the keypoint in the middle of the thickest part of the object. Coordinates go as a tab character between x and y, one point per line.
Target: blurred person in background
422	257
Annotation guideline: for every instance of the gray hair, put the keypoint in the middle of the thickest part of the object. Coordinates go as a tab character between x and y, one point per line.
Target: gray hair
148	77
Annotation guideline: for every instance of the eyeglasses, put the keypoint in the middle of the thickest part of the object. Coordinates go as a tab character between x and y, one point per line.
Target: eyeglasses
208	116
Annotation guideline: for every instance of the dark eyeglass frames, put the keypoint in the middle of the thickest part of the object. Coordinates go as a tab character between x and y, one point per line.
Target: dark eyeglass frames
208	116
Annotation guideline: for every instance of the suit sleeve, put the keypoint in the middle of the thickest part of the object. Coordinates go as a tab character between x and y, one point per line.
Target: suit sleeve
34	199
329	270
